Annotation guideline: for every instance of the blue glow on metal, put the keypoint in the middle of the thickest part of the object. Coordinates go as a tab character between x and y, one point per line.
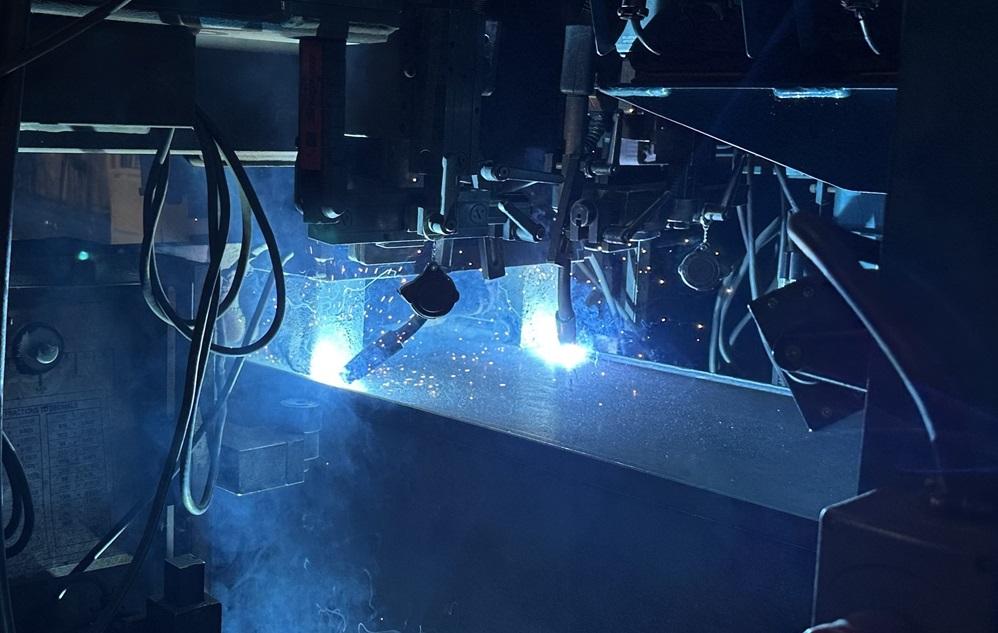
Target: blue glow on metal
811	93
538	327
623	92
330	354
83	256
539	336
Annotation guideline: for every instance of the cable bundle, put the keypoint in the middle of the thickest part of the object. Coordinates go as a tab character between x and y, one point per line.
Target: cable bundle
199	330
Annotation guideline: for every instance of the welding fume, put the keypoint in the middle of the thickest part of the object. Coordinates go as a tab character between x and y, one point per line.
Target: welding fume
438	316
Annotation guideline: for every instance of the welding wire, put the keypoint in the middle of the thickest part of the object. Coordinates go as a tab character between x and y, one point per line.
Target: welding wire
867	37
641	35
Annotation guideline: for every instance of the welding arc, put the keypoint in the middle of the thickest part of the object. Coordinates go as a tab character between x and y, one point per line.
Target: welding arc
62	36
202	330
22	513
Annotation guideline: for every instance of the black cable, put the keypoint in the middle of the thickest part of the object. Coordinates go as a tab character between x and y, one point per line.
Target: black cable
206	315
783	256
23	512
214	422
61	36
728	292
155	197
161	305
781	177
819	242
125	522
17	500
200	332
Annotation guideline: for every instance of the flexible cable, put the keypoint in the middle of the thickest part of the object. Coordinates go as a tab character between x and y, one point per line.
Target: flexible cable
641	35
820	244
781	177
747	222
23	509
867	36
62	36
156	190
206	314
161	305
725	296
213	423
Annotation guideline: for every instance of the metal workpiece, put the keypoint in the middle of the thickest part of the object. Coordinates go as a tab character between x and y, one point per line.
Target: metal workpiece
738	439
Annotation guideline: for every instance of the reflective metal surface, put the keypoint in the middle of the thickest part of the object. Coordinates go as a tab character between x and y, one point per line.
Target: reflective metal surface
496	362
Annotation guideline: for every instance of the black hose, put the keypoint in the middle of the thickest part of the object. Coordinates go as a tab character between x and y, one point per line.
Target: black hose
736	170
23	511
215	416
